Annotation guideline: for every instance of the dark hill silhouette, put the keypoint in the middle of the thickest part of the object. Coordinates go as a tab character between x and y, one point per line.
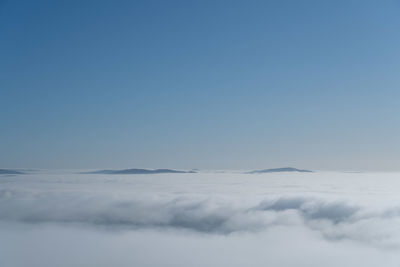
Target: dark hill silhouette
139	171
5	171
285	169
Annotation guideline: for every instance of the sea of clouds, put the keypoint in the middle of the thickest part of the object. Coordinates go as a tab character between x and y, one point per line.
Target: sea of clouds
51	218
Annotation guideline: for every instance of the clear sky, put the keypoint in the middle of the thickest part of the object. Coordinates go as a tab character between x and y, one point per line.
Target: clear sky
200	84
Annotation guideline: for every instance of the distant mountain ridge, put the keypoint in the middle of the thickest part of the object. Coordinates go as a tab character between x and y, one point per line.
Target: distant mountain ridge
285	169
138	171
5	171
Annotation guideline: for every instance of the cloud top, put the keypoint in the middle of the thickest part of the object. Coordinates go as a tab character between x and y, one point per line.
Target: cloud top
212	215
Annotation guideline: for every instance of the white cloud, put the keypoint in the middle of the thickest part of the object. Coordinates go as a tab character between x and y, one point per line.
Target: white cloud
201	211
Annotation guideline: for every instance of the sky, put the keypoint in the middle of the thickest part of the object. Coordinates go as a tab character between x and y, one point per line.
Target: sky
200	84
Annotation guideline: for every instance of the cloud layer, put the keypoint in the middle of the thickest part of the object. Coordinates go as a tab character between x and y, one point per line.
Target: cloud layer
204	214
199	219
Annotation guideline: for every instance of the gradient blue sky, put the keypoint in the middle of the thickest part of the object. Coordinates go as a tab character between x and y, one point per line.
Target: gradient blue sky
200	84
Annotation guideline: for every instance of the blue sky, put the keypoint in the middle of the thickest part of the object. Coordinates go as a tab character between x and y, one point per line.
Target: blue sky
200	84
